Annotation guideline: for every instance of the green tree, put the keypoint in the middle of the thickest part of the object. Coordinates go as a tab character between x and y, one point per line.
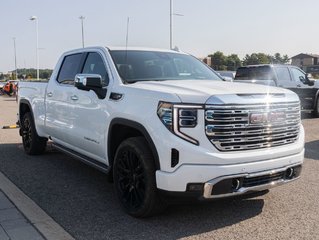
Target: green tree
218	61
278	59
256	58
233	62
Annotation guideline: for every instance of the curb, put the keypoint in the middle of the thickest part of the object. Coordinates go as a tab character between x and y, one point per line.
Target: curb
50	229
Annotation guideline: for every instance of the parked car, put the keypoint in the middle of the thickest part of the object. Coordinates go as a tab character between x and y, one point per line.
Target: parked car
162	123
285	76
227	75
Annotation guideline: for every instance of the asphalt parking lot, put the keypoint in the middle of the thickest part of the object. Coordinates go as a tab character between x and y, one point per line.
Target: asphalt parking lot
84	204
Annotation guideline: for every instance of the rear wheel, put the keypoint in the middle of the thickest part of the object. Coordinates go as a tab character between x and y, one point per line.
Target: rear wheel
316	110
134	178
32	143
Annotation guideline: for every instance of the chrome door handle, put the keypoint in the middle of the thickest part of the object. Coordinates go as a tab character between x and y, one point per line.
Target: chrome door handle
74	98
49	94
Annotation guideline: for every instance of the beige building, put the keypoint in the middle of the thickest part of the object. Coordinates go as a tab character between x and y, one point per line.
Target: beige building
307	62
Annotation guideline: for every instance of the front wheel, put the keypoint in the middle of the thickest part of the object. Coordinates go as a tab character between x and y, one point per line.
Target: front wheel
134	178
32	143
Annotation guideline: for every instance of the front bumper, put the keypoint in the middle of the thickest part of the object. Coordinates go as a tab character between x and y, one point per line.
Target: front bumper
209	175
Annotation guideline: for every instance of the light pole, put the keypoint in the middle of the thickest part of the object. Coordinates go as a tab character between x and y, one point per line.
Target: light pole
15	57
171	14
35	18
82	19
171	24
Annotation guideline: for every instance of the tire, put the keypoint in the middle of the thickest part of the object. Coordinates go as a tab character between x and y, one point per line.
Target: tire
32	143
134	178
316	110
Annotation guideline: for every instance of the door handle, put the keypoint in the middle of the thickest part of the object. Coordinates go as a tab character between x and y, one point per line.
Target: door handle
298	85
49	94
74	98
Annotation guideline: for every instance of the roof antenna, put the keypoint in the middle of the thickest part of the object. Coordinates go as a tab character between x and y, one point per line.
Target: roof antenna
127	27
126	43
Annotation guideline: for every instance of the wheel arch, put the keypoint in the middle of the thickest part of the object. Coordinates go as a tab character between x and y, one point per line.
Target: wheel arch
316	99
24	107
121	129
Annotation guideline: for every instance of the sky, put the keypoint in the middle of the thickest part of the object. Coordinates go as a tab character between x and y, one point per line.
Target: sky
231	26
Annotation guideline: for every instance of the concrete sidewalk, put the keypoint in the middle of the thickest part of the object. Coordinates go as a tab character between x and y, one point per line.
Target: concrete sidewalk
13	225
22	219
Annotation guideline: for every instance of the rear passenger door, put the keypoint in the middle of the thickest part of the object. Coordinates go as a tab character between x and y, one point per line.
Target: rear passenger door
59	113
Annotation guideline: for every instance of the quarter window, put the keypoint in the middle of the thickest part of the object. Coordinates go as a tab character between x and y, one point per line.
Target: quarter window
94	65
70	67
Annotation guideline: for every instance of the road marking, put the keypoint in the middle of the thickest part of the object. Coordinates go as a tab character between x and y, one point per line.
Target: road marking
50	229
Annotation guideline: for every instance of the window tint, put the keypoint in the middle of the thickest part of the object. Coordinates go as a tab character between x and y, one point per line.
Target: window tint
282	74
255	73
94	65
297	75
70	67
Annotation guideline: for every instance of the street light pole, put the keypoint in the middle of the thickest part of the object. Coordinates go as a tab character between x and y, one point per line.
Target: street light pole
171	15
15	57
35	18
82	19
171	25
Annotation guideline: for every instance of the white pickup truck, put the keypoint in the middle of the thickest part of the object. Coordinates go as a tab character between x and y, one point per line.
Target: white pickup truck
162	123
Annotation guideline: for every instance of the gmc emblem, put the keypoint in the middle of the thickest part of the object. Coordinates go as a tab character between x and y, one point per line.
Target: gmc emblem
258	118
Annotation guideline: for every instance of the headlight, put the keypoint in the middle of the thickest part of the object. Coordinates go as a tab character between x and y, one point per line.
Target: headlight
178	116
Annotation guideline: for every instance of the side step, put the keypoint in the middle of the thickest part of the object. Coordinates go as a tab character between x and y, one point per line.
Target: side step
89	161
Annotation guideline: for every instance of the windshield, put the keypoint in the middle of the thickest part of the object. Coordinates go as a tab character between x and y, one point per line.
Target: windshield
134	66
255	73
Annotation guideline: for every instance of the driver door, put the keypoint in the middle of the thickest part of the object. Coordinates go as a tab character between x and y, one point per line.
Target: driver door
305	92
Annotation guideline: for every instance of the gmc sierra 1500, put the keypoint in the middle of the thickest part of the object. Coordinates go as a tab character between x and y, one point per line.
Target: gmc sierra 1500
161	121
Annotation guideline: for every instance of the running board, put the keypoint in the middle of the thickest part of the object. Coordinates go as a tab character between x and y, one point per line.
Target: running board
89	161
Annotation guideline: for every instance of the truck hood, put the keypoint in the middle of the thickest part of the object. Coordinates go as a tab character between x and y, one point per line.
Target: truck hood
199	91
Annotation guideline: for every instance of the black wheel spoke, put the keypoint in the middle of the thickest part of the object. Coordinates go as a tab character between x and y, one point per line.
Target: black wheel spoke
131	179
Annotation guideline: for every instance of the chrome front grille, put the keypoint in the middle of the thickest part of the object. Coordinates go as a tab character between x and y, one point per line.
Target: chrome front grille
244	127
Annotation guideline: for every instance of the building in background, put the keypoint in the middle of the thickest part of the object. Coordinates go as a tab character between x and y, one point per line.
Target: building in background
307	62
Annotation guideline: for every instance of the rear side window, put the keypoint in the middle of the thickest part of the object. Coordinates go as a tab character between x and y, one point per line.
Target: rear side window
94	65
70	67
282	74
255	73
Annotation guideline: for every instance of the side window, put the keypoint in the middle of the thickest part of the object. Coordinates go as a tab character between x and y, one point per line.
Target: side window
282	74
94	65
70	67
297	75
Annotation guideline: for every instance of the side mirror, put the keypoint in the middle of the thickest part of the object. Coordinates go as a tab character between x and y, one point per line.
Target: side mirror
309	80
89	82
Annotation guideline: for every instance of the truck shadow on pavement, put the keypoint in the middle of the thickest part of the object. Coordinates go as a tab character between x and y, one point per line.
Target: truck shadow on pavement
311	150
81	200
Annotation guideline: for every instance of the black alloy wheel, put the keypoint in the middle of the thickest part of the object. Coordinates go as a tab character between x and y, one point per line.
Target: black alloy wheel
131	179
32	143
134	178
26	134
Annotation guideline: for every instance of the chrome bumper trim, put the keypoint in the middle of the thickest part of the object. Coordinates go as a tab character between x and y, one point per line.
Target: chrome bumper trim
208	186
